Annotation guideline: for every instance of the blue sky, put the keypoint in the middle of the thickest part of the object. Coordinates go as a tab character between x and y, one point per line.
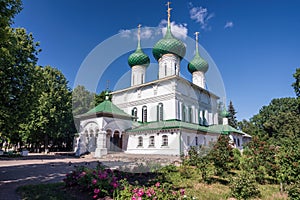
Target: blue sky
254	43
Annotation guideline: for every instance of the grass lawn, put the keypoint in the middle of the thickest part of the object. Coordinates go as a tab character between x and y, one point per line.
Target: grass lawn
215	191
52	191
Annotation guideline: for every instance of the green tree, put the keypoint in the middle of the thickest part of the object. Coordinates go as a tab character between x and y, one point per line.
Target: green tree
51	120
232	121
279	119
99	98
259	159
296	84
18	54
82	99
222	155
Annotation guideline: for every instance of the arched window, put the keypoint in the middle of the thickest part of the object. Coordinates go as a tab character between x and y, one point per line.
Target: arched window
196	140
188	140
142	78
183	113
134	113
165	141
200	118
160	112
190	114
165	69
175	67
140	141
238	142
144	114
151	141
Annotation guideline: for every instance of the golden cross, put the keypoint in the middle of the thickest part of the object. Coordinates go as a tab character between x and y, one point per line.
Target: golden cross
196	33
169	12
107	85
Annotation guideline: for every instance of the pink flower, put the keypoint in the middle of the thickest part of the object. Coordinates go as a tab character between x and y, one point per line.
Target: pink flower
133	197
95	196
182	191
94	181
115	185
141	192
157	184
96	190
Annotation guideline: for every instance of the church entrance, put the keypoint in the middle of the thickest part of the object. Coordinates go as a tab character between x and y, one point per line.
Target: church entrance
115	142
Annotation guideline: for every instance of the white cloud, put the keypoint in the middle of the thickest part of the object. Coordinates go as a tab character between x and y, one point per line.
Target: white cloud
146	33
179	30
228	24
201	16
125	33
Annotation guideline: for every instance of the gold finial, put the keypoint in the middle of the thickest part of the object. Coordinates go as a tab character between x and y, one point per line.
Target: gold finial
169	12
139	35
197	34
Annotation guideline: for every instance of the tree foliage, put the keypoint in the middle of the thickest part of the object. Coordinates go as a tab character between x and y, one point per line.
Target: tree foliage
232	121
281	118
18	53
296	84
51	119
222	155
82	100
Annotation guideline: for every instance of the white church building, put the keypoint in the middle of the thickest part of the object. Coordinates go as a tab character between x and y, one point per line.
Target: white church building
165	116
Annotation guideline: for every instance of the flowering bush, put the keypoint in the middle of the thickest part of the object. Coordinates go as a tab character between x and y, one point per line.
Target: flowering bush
156	192
99	182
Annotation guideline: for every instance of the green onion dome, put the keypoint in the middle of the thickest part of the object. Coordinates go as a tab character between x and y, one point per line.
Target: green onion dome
138	58
224	113
168	44
198	63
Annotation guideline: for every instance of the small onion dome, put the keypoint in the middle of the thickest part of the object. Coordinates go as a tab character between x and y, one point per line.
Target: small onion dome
168	44
224	113
138	58
198	63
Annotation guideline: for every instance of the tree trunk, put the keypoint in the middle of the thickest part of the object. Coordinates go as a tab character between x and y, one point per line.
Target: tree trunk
46	144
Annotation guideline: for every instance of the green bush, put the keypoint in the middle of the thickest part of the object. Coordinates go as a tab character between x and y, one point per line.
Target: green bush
244	187
294	191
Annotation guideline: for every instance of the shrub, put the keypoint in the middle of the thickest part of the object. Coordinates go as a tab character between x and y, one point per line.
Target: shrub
243	187
157	191
294	191
99	182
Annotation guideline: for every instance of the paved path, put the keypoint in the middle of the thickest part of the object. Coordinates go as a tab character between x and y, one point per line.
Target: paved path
36	169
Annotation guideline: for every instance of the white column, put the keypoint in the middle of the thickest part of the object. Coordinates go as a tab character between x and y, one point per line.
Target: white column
101	149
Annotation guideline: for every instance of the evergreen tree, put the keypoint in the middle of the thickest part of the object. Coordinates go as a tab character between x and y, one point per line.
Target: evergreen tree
232	121
296	84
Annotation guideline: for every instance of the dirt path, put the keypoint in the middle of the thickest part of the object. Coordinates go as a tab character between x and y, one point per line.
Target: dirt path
36	169
15	173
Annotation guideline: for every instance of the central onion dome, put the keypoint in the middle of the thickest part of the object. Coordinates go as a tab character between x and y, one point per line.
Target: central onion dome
138	57
168	44
198	63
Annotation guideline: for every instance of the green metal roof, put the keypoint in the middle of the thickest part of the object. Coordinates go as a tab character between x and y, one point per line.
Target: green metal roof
168	44
225	129
172	124
107	107
198	64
